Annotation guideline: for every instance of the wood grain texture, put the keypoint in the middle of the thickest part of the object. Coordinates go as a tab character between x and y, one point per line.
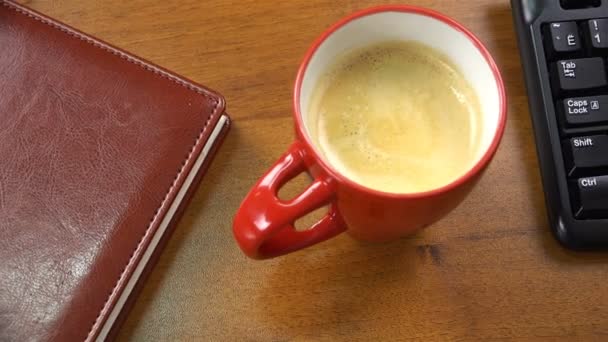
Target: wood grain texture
489	271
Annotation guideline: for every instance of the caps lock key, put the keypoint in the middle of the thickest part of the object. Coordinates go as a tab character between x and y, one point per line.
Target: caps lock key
583	73
586	110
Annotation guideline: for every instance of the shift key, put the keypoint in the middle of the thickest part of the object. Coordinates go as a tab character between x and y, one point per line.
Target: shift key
584	73
593	196
587	153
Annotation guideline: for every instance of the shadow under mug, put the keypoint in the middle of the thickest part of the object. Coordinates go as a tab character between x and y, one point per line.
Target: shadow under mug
264	224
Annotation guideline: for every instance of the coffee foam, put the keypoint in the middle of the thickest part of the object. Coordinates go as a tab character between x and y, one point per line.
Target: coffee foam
397	117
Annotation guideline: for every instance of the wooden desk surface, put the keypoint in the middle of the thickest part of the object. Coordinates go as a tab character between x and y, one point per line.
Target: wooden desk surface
490	270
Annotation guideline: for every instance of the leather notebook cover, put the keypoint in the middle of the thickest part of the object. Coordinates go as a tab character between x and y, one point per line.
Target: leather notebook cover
99	153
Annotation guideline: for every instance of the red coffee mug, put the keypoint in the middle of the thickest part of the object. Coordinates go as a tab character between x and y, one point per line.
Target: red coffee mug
264	224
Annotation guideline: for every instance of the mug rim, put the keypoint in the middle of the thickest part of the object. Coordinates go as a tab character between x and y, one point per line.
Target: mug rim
462	179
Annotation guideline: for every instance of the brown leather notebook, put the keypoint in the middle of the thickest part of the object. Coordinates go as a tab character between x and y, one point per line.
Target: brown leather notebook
99	153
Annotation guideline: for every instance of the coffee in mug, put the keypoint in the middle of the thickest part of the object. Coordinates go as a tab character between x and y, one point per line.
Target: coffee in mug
396	116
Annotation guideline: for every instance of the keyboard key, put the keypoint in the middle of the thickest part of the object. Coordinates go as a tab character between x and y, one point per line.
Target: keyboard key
564	37
584	73
576	4
586	110
593	195
587	153
598	31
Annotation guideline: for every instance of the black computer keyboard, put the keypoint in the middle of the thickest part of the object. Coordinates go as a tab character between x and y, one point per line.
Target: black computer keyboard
564	52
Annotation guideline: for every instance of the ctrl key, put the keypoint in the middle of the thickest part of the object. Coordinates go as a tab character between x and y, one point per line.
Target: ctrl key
593	195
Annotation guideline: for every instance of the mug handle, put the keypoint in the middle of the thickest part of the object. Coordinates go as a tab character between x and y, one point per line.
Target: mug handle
264	224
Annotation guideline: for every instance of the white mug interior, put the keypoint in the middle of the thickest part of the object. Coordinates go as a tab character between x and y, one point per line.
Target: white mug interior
410	26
